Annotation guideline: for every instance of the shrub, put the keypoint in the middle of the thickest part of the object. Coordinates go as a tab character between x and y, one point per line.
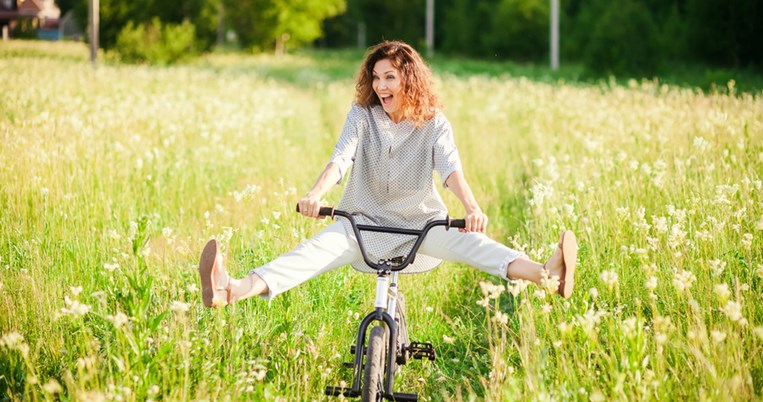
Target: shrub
623	41
156	43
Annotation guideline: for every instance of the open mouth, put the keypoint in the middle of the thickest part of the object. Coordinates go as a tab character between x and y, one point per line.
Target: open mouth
386	100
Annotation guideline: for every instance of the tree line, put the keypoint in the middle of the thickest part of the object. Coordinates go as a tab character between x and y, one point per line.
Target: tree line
607	36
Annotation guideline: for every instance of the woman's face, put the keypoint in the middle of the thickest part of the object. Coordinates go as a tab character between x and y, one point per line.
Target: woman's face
388	85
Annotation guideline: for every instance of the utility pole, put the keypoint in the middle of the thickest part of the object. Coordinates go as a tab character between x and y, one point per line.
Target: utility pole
93	28
430	28
554	35
361	35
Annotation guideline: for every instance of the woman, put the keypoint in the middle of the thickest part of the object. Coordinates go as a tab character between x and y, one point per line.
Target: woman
394	137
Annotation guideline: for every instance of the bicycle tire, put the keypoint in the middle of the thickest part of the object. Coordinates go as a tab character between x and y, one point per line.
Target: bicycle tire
373	370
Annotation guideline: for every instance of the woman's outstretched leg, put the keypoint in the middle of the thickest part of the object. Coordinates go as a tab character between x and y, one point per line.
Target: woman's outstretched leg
488	255
329	249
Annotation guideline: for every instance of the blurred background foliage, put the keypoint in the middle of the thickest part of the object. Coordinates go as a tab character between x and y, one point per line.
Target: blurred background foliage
605	36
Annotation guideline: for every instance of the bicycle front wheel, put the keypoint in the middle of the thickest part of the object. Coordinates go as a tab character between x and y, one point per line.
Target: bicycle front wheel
373	371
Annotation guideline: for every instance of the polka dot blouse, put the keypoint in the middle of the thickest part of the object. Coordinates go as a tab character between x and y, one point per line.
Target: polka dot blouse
391	182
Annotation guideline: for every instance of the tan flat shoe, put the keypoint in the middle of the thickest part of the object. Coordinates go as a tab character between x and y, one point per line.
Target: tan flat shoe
569	245
212	260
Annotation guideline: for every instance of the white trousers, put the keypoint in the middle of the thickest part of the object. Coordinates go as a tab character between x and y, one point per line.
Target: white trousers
333	248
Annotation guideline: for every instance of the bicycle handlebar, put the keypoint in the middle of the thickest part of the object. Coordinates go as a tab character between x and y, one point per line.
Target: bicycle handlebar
388	265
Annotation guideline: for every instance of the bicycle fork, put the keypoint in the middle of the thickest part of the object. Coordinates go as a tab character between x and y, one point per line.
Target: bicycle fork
386	300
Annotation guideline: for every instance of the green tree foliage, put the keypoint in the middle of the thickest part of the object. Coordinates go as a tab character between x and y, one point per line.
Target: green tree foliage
262	24
520	28
623	40
115	15
626	36
156	43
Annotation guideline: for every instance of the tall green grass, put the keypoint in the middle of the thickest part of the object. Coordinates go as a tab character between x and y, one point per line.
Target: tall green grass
113	179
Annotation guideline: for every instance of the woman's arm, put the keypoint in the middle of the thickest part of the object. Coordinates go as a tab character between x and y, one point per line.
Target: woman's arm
310	204
476	221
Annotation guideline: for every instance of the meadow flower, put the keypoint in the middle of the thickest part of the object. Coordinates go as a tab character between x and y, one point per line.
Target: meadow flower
192	288
501	318
52	387
448	339
717	267
651	283
718	336
133	230
593	292
682	280
759	271
549	284
119	319
660	224
758	331
609	278
15	341
166	232
722	291
590	321
179	307
629	327
747	241
110	266
491	290
733	310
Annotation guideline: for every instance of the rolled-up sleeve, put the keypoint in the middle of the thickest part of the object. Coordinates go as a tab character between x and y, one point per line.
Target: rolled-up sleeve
344	150
444	152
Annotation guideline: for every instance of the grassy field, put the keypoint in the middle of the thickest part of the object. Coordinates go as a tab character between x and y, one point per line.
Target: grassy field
114	178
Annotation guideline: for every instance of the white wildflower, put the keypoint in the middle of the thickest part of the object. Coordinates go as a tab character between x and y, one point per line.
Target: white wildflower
75	290
717	267
629	327
747	241
448	339
133	231
682	280
192	288
759	271
15	341
179	307
609	278
110	266
590	320
501	318
119	319
52	387
651	283
593	292
733	310
718	336
166	232
722	291
758	331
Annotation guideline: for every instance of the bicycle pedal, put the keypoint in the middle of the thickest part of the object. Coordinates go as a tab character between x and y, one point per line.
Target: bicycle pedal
420	350
403	397
337	391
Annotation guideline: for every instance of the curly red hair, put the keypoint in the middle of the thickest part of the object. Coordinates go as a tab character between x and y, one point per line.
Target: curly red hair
420	102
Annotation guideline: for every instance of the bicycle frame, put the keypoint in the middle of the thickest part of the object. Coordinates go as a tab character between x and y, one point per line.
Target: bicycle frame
386	299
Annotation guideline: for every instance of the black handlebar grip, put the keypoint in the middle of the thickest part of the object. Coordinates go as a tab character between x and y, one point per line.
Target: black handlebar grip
323	211
458	223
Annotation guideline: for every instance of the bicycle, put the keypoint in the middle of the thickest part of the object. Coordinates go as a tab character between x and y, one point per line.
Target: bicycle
374	378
